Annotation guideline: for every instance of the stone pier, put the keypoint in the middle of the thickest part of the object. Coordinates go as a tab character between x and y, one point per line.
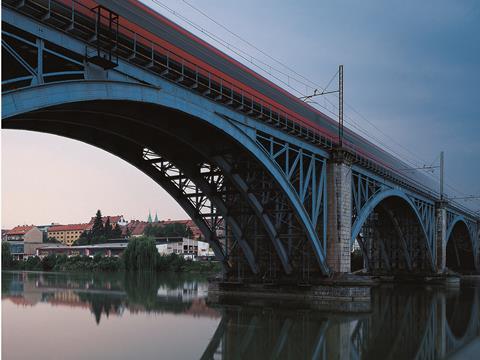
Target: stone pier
441	235
339	228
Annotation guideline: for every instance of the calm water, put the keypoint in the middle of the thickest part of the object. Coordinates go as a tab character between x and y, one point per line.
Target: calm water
118	316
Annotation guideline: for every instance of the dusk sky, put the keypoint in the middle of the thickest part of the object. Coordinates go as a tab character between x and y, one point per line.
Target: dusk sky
412	71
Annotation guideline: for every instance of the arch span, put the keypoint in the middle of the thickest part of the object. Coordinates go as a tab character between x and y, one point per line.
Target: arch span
42	99
379	200
460	246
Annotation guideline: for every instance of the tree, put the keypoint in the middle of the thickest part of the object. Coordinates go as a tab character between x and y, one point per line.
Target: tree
141	254
168	230
7	258
107	229
51	240
84	239
117	232
97	228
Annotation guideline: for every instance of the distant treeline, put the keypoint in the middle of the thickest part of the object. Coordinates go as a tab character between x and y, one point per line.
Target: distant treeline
141	254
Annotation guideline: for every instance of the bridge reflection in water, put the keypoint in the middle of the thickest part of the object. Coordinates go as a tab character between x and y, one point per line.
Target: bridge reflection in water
404	323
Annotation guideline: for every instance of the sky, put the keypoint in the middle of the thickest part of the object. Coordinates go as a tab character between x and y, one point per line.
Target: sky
412	84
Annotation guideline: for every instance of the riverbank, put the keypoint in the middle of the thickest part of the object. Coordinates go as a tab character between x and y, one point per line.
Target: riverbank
62	263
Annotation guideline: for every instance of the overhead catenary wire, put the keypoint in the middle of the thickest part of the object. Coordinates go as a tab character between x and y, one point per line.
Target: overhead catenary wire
304	81
217	39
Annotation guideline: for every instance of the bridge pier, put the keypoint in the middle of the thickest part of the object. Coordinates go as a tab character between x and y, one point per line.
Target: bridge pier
441	235
339	194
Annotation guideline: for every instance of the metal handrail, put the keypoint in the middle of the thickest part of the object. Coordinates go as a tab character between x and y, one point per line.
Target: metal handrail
165	63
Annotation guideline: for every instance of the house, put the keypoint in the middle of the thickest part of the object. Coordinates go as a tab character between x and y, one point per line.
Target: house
67	234
24	240
22	232
188	248
135	228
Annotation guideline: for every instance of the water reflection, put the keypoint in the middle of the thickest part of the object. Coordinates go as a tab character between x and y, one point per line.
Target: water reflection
111	294
403	322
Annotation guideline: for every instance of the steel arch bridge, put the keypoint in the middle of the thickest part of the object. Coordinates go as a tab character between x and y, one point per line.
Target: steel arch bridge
275	199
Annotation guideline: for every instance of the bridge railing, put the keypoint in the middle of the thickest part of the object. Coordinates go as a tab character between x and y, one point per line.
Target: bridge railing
94	27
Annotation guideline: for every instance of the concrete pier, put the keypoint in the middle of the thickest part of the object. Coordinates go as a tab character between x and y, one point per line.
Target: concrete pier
339	228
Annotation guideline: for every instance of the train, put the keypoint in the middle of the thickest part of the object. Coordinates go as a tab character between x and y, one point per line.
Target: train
136	17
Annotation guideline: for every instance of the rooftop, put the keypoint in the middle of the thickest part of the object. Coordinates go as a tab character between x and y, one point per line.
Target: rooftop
20	230
69	227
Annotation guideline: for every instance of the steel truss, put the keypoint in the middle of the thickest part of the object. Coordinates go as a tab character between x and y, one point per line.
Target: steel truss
256	212
274	210
33	61
402	237
306	173
455	217
269	211
241	194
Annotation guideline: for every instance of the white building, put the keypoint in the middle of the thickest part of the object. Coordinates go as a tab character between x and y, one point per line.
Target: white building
189	248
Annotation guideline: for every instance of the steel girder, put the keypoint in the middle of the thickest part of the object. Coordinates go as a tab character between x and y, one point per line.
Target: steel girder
368	191
454	218
33	98
202	186
33	61
198	186
176	95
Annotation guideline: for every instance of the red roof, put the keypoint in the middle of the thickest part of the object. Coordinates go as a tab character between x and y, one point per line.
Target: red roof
113	219
136	227
69	227
20	230
189	223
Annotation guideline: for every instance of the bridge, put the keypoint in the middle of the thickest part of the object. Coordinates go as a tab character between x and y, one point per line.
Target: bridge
277	197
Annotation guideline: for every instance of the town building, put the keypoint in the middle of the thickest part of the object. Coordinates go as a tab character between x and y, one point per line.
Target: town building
67	234
17	249
135	228
188	248
107	249
22	232
24	241
44	230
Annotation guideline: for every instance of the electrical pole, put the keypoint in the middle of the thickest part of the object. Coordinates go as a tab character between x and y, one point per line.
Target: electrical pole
340	105
442	169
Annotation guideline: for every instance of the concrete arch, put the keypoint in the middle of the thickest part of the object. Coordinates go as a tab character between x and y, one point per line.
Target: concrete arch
376	200
40	97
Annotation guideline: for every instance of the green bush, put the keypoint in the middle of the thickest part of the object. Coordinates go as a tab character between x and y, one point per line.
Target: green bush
7	258
49	262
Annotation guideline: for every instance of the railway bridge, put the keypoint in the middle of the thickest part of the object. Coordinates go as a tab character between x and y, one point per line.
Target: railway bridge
275	194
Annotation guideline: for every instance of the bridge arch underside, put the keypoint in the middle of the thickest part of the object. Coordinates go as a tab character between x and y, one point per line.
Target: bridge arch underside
392	240
460	256
239	207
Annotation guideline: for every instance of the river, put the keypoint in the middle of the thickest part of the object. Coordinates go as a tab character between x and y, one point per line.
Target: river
171	316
